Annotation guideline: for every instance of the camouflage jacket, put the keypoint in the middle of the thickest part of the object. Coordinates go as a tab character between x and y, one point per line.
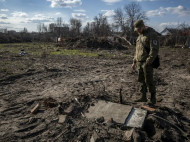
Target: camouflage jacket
149	40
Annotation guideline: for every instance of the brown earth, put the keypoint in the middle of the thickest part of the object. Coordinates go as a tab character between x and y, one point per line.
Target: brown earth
55	81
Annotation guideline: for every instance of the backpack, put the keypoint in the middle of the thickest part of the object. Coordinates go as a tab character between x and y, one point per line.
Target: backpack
156	62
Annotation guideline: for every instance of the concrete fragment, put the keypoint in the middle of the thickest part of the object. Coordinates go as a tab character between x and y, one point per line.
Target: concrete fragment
136	118
108	110
94	137
69	109
35	109
115	132
62	118
128	135
136	136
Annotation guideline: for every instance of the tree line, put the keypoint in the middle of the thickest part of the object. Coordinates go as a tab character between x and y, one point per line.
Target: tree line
123	21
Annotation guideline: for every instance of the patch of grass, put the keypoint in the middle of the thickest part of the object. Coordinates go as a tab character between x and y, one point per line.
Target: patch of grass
9	47
75	53
30	48
40	49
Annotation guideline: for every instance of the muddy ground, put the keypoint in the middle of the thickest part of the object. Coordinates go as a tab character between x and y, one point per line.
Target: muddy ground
54	81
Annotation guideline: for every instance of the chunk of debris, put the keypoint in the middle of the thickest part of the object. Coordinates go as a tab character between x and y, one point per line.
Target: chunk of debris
148	108
62	118
22	52
50	102
108	110
95	137
100	120
136	136
128	135
35	109
69	110
110	122
83	115
136	118
77	101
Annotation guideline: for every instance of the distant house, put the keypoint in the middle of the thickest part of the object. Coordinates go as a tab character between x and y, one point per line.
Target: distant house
186	32
169	31
173	31
176	37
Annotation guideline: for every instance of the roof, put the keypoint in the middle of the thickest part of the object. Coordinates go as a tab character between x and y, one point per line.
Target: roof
169	31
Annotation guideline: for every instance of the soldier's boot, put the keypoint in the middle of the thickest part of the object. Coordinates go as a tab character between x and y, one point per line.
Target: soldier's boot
153	98
142	99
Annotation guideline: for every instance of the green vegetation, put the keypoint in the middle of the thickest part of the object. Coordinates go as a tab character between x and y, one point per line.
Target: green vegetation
75	52
48	49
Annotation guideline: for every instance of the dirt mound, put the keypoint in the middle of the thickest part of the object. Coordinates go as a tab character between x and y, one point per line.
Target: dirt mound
94	43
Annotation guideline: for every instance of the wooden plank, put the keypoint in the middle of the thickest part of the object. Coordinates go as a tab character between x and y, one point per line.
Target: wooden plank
35	109
148	108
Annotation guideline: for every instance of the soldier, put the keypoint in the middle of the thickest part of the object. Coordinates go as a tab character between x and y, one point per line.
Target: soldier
147	48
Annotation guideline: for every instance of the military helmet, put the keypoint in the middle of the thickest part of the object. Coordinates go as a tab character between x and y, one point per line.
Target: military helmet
138	24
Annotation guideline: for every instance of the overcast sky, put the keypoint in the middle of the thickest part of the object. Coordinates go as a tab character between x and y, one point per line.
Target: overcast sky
17	14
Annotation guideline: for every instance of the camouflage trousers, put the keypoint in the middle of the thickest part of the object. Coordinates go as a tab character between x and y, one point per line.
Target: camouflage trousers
145	77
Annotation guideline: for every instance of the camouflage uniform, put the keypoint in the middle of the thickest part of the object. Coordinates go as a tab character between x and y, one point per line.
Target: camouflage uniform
143	60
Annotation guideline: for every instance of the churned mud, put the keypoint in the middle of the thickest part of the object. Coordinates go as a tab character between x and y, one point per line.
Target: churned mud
66	85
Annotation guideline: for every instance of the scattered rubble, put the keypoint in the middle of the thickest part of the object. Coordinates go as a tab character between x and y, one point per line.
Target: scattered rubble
96	43
50	102
60	96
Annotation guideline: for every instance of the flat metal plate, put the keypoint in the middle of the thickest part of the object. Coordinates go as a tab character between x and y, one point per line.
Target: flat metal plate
118	112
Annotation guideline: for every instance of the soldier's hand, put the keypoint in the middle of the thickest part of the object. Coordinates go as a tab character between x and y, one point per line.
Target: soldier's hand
133	66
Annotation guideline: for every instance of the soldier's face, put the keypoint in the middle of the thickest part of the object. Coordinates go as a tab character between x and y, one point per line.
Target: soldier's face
139	31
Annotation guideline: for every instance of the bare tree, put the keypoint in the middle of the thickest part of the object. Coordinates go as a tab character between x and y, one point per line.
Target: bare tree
39	28
101	26
119	19
182	37
58	26
59	22
134	12
44	28
87	29
25	30
75	26
51	27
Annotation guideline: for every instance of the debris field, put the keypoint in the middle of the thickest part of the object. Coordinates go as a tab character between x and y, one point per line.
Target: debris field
48	97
